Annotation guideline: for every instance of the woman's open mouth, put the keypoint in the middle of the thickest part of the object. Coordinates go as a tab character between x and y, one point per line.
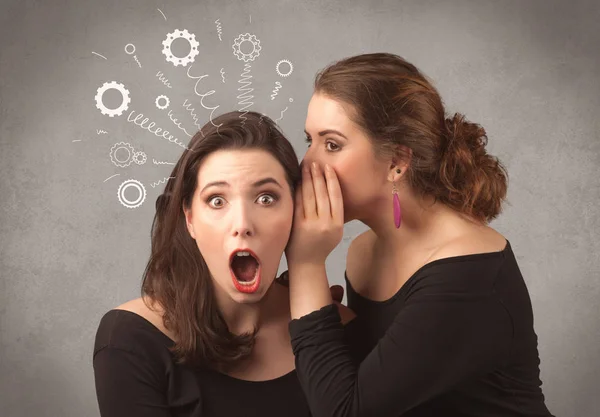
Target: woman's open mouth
245	270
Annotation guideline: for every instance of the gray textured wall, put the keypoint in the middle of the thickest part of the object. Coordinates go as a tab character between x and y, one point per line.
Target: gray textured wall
528	71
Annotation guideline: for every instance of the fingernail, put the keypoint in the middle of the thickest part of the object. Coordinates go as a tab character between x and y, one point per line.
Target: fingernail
315	167
327	168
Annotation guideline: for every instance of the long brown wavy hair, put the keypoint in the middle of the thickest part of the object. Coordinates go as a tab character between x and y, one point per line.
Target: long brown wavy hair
395	105
176	275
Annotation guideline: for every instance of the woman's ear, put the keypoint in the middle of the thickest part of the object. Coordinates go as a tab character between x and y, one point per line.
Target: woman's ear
188	222
400	163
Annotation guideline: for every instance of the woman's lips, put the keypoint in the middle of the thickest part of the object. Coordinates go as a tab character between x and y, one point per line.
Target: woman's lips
247	287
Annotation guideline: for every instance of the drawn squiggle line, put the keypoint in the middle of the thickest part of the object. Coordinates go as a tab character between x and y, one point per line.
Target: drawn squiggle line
161	12
187	106
281	117
163	79
155	162
137	120
222	75
111	177
219	30
203	96
277	88
164	180
137	60
76	140
101	56
177	123
245	97
101	132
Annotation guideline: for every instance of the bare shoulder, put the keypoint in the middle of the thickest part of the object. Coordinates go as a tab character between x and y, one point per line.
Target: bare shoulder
150	313
478	240
360	254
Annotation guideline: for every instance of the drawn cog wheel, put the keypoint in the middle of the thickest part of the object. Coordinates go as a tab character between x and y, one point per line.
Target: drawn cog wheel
190	37
162	106
237	50
120	162
113	85
139	158
131	203
289	71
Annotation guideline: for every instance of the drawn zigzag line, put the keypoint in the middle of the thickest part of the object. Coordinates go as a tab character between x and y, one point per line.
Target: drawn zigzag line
194	115
219	30
164	180
277	88
245	97
163	79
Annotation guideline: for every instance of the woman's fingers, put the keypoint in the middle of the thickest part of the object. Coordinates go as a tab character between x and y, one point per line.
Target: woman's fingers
308	194
334	191
298	204
321	193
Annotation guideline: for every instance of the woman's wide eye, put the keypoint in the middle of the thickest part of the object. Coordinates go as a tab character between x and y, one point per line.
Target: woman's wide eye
216	202
266	199
332	147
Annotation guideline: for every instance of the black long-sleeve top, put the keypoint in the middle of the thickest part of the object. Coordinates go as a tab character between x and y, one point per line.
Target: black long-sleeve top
456	340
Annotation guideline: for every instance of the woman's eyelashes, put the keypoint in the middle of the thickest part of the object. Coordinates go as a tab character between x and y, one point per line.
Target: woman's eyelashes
264	199
330	145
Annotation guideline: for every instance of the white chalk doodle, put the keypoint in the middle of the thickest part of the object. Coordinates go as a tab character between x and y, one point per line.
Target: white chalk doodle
222	75
164	180
112	176
219	29
281	116
129	46
140	158
76	140
180	34
131	184
187	106
246	92
291	100
162	79
177	123
287	72
277	88
166	102
155	162
121	148
137	120
113	85
101	132
204	95
163	15
237	47
101	56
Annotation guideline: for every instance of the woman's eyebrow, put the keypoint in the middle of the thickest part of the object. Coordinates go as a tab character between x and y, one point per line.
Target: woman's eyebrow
329	131
268	180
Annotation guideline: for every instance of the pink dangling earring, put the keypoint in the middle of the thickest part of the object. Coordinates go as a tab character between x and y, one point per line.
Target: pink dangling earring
397	211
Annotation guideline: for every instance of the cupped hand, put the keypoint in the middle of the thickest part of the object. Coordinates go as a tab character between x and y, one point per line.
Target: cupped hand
318	217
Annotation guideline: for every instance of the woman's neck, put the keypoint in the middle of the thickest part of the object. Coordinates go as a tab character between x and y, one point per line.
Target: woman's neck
245	318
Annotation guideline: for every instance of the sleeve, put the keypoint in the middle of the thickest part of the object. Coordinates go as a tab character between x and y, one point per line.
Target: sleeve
126	385
434	343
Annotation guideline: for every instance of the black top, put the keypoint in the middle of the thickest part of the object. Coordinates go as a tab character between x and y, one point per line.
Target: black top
456	340
136	375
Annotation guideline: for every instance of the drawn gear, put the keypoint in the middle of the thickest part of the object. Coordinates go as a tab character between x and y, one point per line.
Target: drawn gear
124	93
113	154
190	37
139	158
164	106
286	74
238	51
128	203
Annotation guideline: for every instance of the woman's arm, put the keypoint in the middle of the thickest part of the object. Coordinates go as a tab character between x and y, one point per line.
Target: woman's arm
435	342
